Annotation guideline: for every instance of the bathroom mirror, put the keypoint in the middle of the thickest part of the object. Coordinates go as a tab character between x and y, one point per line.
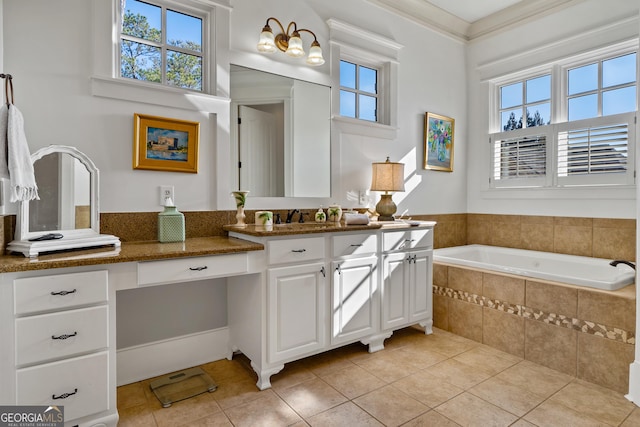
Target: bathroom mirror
281	143
67	216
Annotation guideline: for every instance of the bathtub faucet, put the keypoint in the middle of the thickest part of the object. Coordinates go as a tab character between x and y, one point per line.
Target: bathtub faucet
619	261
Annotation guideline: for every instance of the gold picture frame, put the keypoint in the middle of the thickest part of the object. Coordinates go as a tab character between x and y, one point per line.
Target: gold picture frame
165	144
438	142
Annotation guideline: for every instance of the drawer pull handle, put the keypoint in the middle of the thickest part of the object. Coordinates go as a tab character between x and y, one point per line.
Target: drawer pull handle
198	268
356	246
324	273
64	395
409	240
299	251
64	336
63	293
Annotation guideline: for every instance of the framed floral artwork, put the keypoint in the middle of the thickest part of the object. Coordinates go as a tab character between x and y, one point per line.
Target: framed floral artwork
164	144
438	142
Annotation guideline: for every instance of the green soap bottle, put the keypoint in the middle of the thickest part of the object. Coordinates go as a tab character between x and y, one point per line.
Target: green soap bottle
170	223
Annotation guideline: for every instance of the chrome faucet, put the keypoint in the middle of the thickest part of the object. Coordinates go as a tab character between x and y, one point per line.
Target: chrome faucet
620	261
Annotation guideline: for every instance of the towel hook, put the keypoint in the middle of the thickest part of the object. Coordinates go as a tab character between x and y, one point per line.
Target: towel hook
8	87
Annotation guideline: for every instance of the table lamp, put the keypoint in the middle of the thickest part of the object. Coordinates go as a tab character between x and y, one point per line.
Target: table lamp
387	176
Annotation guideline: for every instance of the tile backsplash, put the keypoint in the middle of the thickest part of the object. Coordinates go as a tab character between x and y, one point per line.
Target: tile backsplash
596	237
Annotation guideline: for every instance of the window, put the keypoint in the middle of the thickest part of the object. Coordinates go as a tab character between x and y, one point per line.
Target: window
529	99
161	44
589	139
358	91
602	88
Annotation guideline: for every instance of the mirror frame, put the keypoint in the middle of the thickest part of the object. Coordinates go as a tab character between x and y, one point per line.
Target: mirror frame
72	238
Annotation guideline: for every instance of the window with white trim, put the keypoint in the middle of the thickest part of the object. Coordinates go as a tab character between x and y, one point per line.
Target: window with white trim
581	133
162	43
359	91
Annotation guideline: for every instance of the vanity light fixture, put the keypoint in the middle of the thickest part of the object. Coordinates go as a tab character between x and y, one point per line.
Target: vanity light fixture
289	42
387	176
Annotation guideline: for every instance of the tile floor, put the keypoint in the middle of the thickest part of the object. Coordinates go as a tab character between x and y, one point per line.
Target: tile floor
436	380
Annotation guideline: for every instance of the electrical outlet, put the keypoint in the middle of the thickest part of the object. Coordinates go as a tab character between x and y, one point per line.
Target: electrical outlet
166	191
363	199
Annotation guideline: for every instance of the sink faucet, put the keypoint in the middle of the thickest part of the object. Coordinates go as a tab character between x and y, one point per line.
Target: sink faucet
301	219
290	215
620	261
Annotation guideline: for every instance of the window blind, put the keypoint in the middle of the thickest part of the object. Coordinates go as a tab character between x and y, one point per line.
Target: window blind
520	157
593	150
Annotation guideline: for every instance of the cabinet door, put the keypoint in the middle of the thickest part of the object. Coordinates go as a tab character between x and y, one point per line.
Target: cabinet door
420	285
395	290
296	311
353	296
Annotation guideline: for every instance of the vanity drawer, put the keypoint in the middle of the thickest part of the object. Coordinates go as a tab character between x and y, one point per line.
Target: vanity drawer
295	250
83	380
408	239
55	292
193	268
354	244
76	331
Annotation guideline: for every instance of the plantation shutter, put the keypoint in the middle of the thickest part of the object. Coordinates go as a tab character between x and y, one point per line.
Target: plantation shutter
519	159
596	151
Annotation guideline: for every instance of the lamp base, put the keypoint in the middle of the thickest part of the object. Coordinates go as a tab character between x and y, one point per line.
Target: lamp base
386	208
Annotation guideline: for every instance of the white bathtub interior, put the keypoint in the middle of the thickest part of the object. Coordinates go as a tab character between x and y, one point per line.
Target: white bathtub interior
572	269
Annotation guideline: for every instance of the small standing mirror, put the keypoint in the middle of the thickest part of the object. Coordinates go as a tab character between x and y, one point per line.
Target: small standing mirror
67	216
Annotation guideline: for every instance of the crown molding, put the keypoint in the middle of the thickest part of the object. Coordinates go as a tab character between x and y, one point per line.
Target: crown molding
426	14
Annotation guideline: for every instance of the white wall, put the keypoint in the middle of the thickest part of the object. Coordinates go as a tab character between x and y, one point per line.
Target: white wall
51	53
585	26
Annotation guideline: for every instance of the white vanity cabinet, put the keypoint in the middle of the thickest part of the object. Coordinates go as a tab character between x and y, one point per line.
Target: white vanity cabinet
297	310
312	292
407	284
61	327
354	285
281	313
297	297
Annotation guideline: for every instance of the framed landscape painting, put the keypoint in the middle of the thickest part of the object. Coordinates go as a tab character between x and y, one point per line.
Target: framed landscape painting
438	142
165	144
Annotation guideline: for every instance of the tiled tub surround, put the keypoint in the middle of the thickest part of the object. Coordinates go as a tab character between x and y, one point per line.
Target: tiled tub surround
582	332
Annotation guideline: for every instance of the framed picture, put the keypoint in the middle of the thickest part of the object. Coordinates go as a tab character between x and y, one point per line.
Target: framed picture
165	144
438	142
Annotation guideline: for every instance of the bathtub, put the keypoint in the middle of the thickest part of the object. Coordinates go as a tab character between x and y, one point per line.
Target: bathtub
575	270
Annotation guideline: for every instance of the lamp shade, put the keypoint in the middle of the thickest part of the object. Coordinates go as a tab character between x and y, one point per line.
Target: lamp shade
315	55
387	176
295	49
266	44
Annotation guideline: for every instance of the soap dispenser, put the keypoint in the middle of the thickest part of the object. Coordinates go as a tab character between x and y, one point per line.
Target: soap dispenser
170	223
320	215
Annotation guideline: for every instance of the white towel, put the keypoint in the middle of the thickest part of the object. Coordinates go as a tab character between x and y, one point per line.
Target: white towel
356	219
22	178
4	117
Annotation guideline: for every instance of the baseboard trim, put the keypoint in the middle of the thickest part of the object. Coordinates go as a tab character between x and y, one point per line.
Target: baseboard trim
162	357
634	383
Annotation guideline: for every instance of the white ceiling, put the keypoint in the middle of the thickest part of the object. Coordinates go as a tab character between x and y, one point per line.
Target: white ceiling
466	20
472	10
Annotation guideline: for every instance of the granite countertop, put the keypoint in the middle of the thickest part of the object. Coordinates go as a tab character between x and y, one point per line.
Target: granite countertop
194	246
128	252
319	227
296	228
